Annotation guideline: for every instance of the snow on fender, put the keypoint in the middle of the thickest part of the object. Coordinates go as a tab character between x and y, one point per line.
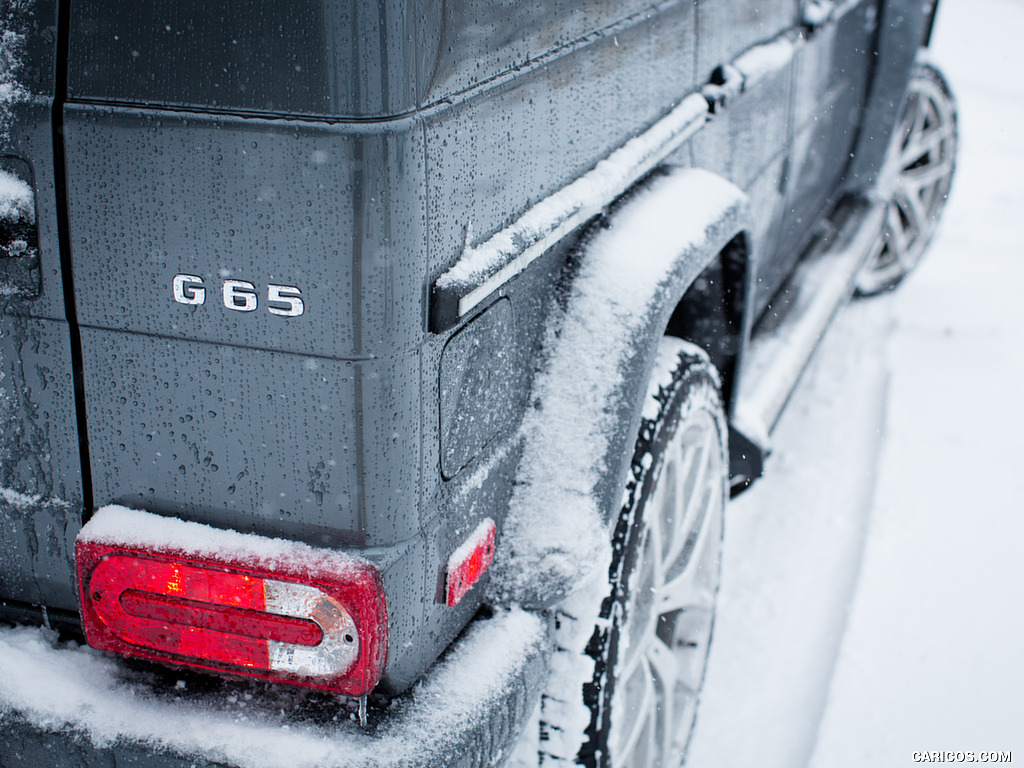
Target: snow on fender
577	437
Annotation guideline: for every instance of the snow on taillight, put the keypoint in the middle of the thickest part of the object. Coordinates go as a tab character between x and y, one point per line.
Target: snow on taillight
468	563
187	594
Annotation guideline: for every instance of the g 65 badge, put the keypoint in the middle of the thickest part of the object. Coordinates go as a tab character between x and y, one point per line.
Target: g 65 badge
240	295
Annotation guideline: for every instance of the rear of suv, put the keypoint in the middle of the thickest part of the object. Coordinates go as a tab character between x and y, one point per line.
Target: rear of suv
332	333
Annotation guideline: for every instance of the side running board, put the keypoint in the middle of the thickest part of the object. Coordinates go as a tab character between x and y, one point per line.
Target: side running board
787	335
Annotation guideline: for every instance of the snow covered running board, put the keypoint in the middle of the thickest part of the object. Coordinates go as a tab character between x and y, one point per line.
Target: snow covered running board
786	338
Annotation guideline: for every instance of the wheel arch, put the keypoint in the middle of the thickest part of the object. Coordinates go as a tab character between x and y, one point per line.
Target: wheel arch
714	312
598	356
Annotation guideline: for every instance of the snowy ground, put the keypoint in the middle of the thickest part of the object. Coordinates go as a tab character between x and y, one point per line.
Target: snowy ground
871	604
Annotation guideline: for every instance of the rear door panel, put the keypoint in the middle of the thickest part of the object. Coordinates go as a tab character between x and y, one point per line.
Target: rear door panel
41	487
832	77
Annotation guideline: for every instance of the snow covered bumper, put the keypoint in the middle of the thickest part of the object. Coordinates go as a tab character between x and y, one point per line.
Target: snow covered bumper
69	705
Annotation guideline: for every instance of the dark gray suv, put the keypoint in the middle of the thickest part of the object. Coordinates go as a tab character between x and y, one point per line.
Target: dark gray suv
374	375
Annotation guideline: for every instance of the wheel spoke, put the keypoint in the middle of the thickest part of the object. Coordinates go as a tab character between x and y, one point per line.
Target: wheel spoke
665	666
696	497
688	462
660	522
913	210
690	587
905	129
925	176
643	713
922	146
897	239
663	663
878	264
907	255
920	115
685	591
670	489
640	613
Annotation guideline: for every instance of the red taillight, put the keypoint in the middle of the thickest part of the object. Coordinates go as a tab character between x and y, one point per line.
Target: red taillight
184	593
468	563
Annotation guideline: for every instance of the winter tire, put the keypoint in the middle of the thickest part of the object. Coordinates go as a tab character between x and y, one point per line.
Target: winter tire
648	648
914	180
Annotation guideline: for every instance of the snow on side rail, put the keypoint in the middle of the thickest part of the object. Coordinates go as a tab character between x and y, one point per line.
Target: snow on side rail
817	13
485	267
72	689
764	60
490	264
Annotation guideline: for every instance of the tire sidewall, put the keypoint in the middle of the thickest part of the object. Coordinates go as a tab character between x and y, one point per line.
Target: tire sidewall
691	385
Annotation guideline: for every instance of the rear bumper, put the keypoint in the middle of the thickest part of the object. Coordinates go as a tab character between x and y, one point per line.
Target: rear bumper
72	706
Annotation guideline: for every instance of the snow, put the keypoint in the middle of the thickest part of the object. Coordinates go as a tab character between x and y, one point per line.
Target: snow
870	602
11	43
115	525
571	668
66	686
791	555
761	61
19	500
16	199
817	12
554	536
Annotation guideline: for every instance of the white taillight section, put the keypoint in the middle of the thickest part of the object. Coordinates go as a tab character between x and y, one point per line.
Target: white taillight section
337	649
468	563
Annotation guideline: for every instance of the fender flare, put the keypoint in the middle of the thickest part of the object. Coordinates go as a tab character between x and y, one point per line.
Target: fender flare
598	352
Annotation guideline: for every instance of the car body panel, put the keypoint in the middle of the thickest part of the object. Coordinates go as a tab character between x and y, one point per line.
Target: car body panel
43	491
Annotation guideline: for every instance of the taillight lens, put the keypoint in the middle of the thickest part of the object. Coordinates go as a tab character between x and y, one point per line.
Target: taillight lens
468	563
235	603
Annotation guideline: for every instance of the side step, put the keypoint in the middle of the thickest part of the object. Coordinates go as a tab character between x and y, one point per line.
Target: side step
785	338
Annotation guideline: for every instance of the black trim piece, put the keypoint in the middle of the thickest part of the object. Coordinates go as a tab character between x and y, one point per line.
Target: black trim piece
64	240
18	612
444	309
746	461
931	9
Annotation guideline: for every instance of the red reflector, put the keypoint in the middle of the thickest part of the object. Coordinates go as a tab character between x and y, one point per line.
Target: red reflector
247	605
468	563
